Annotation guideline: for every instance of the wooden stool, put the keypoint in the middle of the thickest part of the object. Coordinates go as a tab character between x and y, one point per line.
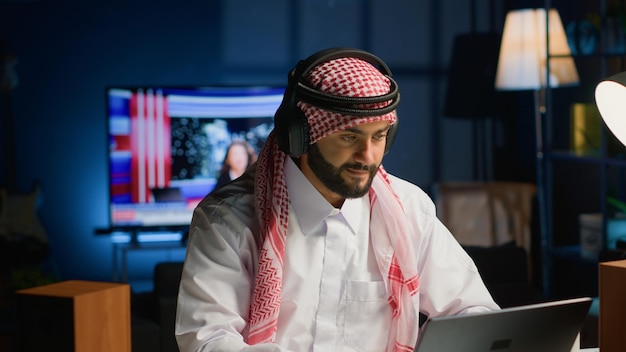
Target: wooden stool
80	316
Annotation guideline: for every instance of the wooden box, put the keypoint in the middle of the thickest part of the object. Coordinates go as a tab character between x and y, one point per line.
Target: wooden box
80	316
612	319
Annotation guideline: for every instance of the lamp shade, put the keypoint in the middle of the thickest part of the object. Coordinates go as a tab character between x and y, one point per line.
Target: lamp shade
611	102
522	63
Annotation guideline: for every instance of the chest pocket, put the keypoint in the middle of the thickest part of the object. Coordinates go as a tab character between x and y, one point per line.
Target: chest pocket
367	316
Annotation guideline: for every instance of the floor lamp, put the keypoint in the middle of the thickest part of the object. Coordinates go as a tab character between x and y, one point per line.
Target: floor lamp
523	65
471	74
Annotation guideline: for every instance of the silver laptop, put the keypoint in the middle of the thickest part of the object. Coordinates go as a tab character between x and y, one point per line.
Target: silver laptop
544	327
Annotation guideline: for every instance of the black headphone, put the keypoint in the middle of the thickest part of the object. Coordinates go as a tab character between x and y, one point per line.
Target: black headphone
290	123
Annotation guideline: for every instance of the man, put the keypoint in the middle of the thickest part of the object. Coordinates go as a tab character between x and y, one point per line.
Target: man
316	247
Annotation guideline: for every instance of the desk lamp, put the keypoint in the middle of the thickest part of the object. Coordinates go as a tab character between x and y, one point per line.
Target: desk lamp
534	54
610	99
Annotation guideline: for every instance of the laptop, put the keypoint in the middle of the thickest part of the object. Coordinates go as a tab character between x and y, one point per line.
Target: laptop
544	327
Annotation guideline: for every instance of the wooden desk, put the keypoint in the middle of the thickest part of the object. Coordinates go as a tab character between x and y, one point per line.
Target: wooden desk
612	288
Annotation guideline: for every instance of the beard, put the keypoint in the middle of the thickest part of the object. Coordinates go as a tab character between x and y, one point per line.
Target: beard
331	175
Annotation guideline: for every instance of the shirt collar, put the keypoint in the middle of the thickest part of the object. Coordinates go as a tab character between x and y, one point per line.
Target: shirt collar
311	208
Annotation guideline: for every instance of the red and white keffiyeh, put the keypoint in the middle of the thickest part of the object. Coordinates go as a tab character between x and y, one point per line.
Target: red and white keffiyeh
389	233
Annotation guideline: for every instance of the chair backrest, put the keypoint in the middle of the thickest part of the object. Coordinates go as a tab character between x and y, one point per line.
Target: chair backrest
167	278
486	214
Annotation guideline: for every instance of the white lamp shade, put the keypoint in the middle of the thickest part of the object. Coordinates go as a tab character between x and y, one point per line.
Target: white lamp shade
522	63
611	102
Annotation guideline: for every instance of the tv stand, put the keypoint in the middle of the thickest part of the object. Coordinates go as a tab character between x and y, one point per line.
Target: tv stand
134	242
134	236
135	232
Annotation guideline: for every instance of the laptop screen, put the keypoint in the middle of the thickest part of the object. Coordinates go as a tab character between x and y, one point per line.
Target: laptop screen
543	327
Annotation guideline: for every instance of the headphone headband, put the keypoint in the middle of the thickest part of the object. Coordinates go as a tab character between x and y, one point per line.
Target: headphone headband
304	66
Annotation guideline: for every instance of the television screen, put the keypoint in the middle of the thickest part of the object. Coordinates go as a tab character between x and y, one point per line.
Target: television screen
167	145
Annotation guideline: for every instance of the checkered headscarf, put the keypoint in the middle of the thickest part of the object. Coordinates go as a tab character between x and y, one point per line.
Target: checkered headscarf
341	77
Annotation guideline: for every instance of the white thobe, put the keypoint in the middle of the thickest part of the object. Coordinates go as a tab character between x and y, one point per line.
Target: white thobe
333	295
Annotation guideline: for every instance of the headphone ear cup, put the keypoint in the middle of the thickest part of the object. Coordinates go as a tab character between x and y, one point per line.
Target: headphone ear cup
292	130
391	135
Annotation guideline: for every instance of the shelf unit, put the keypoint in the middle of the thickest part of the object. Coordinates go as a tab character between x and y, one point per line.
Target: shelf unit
580	183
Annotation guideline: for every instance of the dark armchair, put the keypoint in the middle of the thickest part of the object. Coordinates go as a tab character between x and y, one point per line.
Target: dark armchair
166	281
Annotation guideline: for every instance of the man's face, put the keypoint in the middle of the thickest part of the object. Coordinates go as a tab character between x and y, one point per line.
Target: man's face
344	164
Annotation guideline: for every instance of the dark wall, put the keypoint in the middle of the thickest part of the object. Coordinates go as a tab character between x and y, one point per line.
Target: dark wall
70	50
